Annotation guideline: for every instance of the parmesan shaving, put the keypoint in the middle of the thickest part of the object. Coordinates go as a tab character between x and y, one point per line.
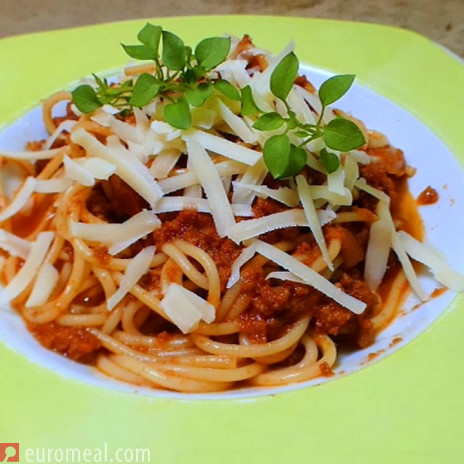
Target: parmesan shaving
384	214
251	228
128	168
138	266
14	245
378	250
77	172
96	167
28	271
284	195
236	123
186	309
119	236
30	155
206	172
164	163
425	254
226	148
52	185
45	283
66	125
310	276
20	200
246	254
313	219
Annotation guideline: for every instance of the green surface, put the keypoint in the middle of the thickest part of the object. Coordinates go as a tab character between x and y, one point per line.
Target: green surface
406	408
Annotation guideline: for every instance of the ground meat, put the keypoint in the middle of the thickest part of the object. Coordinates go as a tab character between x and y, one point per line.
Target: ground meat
73	342
199	230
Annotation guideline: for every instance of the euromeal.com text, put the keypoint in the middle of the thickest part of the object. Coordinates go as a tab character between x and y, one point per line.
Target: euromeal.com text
12	452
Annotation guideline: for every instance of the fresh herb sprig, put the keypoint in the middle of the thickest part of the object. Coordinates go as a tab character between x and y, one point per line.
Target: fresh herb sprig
181	77
284	157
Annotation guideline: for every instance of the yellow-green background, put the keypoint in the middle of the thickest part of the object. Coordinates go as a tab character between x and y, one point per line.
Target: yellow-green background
406	408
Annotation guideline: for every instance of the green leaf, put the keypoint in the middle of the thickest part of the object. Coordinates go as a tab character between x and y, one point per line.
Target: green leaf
193	75
212	51
343	135
248	104
85	99
334	88
150	36
196	97
145	89
284	75
178	114
282	158
269	121
174	54
227	89
329	160
139	52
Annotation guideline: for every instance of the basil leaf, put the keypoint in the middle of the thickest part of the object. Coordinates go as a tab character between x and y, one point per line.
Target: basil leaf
212	51
178	114
329	160
227	89
174	54
284	75
139	52
150	36
298	160
343	135
145	89
248	104
85	98
196	97
334	88
269	121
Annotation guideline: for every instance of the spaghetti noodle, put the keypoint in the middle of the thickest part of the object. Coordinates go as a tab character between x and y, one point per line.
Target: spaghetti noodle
171	258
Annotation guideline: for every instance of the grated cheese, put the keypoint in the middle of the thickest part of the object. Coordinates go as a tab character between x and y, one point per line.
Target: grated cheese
14	245
77	172
37	253
313	219
20	199
425	254
128	167
45	283
226	148
186	309
138	266
210	180
118	236
236	123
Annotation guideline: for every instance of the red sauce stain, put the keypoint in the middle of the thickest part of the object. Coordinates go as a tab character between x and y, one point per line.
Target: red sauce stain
428	196
395	341
438	292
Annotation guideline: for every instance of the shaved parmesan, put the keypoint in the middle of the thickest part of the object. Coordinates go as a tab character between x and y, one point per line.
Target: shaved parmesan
118	236
246	254
378	250
20	200
245	230
45	283
285	275
14	245
66	125
236	123
336	181
77	173
254	175
226	148
186	309
138	266
310	276
313	219
425	254
52	185
31	155
128	167
219	205
28	271
384	215
97	167
361	184
164	163
285	195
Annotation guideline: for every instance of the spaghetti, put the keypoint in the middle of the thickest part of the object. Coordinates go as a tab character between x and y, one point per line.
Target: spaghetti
171	258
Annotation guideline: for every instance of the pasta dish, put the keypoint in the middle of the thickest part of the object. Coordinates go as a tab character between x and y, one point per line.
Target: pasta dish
208	221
